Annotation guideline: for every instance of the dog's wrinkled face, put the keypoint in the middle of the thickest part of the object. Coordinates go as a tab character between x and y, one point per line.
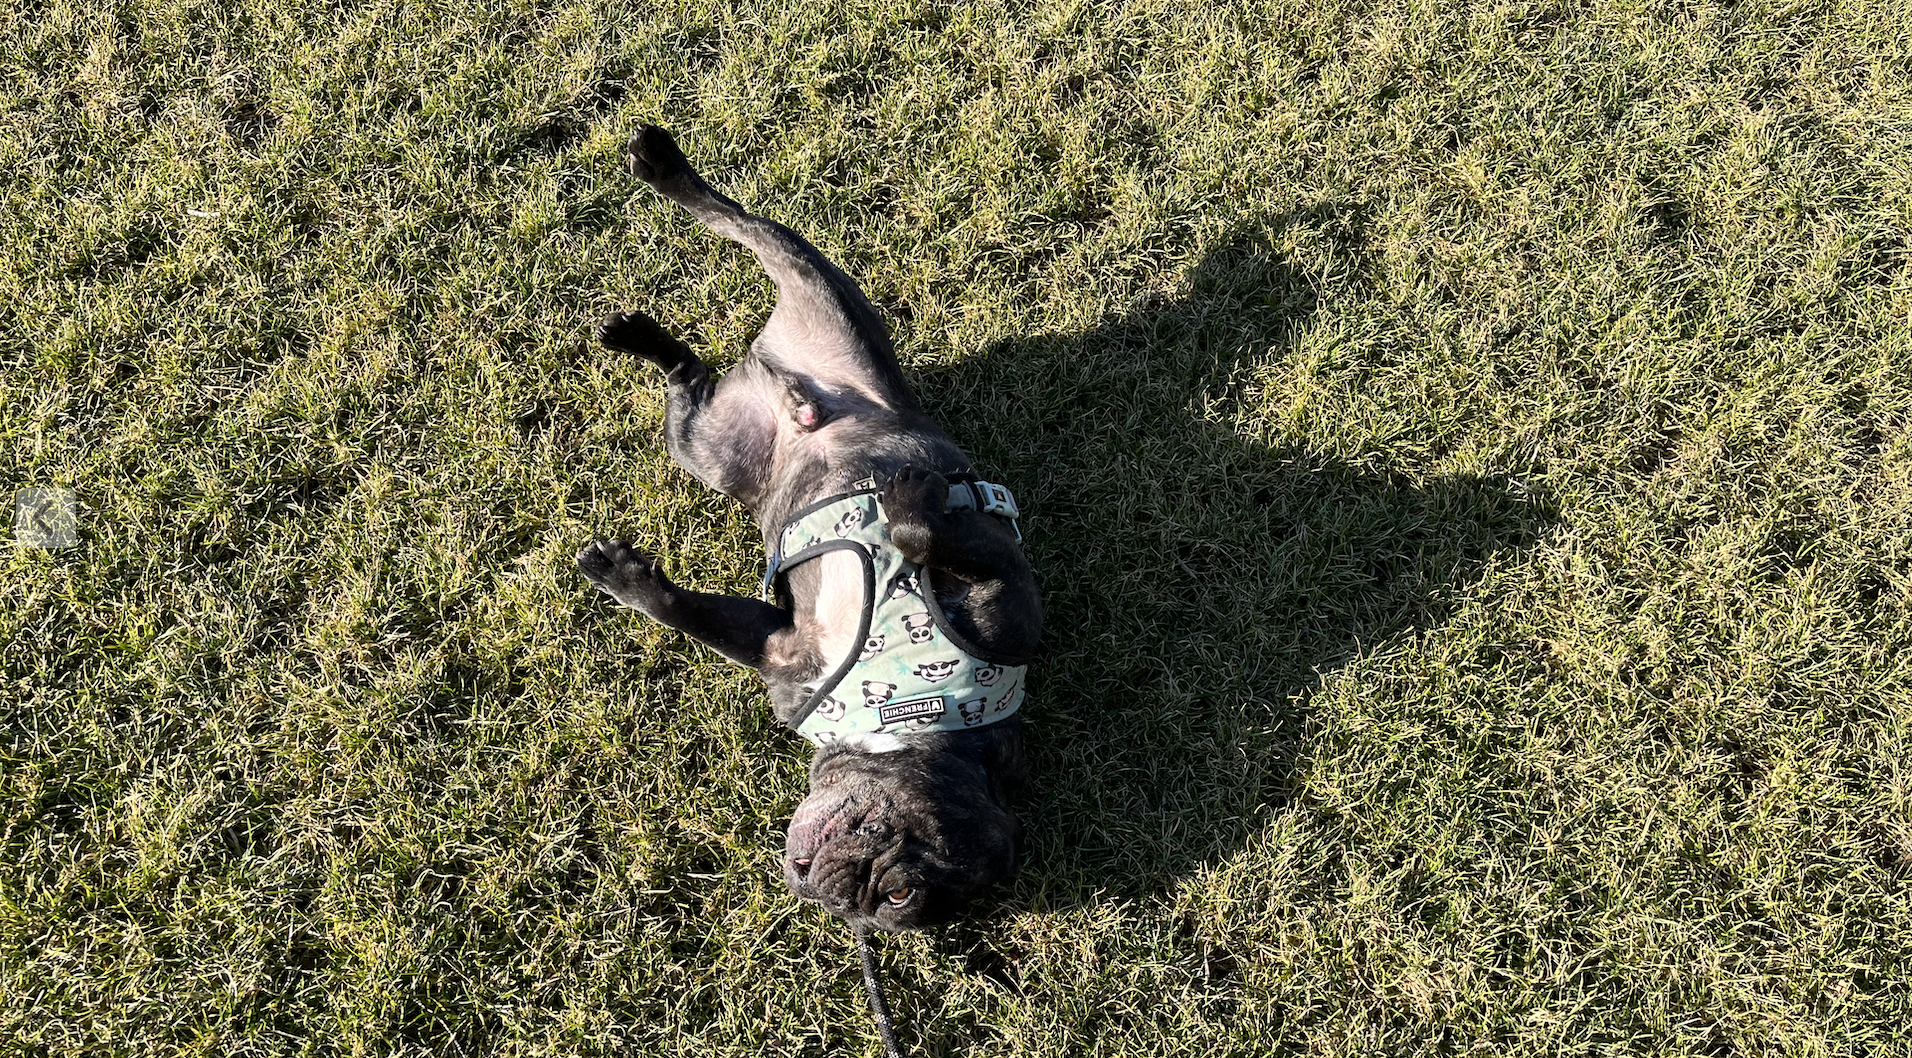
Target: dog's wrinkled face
888	842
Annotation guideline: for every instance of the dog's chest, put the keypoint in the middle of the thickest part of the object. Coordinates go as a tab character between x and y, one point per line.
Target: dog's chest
890	659
838	606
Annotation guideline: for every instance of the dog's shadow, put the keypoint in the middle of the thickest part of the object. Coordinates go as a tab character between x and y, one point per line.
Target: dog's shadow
1198	582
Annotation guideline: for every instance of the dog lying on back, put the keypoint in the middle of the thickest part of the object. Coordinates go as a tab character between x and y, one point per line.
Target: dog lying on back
899	613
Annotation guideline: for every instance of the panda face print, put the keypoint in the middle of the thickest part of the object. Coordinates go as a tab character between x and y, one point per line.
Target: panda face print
938	671
972	711
830	709
1009	698
919	626
904	586
871	647
987	675
851	521
875	692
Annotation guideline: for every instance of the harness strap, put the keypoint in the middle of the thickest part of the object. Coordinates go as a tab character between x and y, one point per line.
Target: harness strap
985	496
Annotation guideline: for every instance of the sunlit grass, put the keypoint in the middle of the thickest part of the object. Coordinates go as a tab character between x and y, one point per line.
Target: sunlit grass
1465	451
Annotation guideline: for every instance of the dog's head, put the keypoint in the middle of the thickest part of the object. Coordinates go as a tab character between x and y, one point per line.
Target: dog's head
905	839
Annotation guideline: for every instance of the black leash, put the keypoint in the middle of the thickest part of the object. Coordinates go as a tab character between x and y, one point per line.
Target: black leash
879	1007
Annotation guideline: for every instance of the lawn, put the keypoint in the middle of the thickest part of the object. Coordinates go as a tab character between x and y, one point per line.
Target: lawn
1466	449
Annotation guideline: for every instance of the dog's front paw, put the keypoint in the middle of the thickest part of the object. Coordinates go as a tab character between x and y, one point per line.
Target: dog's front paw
655	158
624	573
923	493
636	333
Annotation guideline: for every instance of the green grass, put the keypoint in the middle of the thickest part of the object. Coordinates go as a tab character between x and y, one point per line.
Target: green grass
1465	451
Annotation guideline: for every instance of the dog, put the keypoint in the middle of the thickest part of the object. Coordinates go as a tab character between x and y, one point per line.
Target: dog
908	816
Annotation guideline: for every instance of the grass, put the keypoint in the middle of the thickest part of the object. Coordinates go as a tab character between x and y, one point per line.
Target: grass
1465	449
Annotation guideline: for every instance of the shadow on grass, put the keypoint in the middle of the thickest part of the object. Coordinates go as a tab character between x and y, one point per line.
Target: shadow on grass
1198	582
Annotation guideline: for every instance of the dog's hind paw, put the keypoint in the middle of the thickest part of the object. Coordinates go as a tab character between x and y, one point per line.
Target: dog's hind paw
624	573
636	333
653	157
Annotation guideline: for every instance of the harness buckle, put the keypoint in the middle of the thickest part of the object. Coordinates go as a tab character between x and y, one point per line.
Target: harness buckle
997	500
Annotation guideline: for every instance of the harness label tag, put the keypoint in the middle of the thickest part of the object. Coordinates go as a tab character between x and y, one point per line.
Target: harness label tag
912	709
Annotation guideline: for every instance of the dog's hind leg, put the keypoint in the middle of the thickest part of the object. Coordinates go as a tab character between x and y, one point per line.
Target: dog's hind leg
823	327
719	431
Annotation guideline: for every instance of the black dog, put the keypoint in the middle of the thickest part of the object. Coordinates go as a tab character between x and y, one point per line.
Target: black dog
902	826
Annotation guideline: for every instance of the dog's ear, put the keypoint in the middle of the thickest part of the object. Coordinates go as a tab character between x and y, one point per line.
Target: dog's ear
981	832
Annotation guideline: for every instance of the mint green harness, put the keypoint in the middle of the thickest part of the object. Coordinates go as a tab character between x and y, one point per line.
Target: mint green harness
910	672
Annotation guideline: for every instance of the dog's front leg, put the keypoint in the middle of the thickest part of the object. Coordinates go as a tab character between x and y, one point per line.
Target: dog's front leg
968	543
738	628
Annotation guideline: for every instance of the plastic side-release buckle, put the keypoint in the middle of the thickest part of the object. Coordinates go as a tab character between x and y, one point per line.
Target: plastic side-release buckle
997	500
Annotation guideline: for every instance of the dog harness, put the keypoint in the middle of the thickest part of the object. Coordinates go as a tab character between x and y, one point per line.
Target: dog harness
910	671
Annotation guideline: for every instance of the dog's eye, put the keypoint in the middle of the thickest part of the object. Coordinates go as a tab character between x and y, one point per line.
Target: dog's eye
899	897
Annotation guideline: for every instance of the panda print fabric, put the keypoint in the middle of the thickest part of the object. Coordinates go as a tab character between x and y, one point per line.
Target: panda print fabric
909	672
